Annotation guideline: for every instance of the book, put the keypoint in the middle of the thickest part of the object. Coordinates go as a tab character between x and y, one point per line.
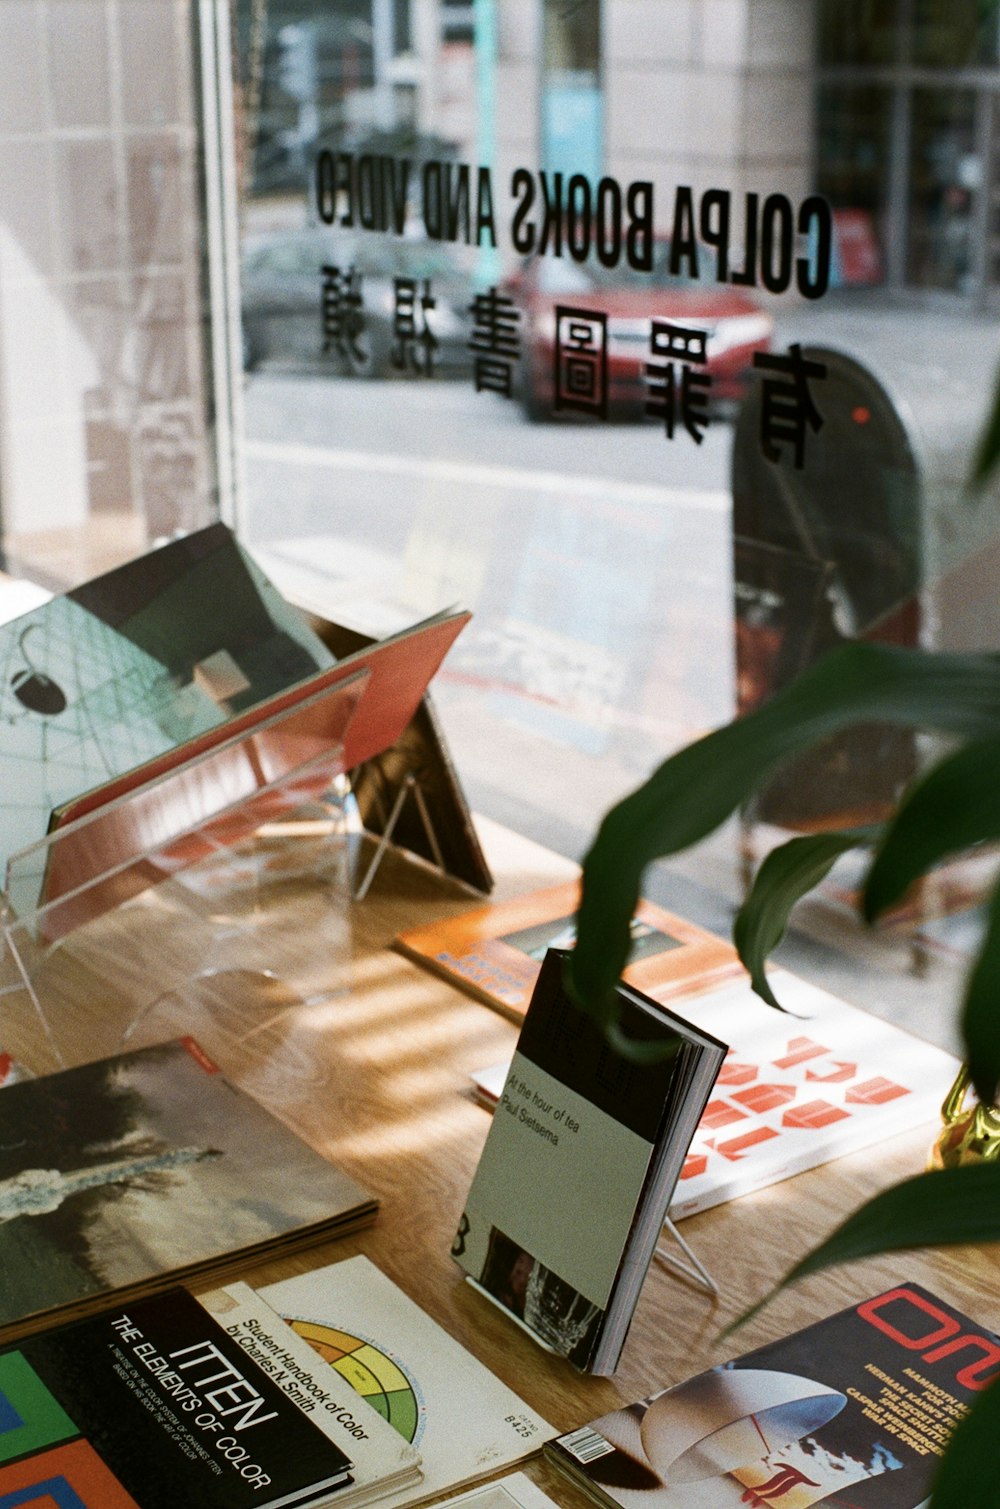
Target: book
853	1412
152	1405
580	1164
488	1084
382	1462
396	672
102	681
420	750
143	1169
495	952
205	804
802	1086
463	1421
515	1491
798	1088
116	683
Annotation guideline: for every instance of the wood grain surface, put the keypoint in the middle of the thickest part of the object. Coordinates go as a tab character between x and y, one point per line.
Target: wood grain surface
296	992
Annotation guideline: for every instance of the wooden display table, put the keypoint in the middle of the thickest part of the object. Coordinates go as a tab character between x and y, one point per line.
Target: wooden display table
367	1056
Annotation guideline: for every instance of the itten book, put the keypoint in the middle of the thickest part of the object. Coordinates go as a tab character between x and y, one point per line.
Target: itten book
152	1405
852	1412
144	1169
383	1462
798	1088
495	952
463	1421
579	1167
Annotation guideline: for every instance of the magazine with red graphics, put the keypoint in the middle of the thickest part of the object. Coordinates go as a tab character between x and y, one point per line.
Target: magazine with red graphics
798	1087
853	1412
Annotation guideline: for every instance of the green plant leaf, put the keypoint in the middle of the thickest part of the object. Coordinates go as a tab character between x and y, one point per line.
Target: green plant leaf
943	1208
967	1475
699	787
787	874
981	1009
988	448
954	807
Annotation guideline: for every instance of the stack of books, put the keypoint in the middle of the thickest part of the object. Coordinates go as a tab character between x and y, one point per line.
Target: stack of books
220	1402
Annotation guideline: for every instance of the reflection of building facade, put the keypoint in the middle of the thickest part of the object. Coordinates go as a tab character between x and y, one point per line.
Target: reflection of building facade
102	383
909	133
889	110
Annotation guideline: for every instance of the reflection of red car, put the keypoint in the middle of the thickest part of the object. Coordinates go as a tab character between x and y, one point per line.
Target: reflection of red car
735	327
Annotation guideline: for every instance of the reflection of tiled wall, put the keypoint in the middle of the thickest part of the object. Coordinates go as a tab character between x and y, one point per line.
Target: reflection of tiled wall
102	395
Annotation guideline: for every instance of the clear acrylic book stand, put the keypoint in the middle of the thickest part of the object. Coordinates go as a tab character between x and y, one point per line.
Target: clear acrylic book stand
146	918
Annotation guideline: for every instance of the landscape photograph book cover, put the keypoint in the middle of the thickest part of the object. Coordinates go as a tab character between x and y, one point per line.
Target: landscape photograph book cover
495	952
154	1405
144	1168
852	1412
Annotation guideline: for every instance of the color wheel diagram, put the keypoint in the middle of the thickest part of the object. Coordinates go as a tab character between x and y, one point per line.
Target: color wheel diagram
372	1373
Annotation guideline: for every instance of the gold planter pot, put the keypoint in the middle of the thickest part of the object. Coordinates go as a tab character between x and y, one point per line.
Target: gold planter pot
969	1134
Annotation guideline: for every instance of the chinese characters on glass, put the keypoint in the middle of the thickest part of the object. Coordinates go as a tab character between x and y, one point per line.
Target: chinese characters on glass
683	396
343	314
677	377
495	343
415	343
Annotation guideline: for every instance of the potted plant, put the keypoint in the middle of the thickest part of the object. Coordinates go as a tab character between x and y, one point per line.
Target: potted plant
950	807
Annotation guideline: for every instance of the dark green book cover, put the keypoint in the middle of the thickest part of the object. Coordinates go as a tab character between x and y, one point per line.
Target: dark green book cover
138	1171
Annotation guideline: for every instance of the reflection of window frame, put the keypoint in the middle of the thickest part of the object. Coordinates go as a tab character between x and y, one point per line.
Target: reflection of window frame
572	81
905	83
221	256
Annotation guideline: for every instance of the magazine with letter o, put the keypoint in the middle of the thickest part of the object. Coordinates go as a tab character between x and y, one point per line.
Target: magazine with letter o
853	1412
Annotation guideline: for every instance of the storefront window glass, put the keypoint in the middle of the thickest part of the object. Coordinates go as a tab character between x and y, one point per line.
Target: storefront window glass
664	473
854	134
946	183
105	382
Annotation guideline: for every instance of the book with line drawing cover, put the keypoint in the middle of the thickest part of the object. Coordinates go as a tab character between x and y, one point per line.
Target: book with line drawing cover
853	1412
132	670
151	1405
495	952
125	678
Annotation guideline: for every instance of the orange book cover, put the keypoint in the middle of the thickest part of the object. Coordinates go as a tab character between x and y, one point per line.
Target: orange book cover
495	951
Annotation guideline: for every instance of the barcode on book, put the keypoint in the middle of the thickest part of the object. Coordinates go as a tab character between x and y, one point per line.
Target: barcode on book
586	1445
